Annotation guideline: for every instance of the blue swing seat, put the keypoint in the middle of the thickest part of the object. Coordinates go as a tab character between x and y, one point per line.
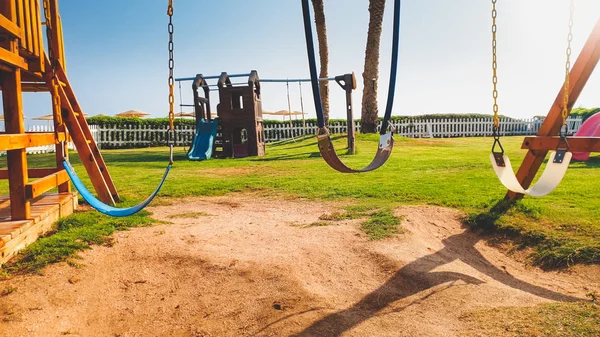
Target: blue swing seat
104	208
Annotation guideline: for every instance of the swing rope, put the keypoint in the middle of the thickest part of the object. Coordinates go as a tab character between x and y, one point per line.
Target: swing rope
386	140
119	212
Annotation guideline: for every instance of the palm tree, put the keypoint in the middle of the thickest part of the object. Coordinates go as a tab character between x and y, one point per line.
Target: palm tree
370	74
323	54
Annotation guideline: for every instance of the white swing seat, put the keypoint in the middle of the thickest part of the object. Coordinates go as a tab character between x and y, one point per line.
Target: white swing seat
551	177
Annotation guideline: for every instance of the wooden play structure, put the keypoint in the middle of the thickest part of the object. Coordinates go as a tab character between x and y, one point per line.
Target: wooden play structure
553	133
240	132
26	66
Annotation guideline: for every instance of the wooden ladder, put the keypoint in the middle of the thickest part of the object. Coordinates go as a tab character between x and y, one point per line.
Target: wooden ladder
70	113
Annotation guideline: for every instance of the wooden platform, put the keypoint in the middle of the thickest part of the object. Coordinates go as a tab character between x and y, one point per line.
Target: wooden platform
45	211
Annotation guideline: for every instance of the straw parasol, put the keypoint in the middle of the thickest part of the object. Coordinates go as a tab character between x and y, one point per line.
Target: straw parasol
48	118
184	114
44	118
132	113
283	113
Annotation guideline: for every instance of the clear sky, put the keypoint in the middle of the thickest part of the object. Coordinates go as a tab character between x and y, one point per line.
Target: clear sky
117	52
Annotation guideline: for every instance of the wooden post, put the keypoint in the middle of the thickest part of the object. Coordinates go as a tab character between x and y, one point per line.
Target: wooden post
17	159
580	73
350	123
61	148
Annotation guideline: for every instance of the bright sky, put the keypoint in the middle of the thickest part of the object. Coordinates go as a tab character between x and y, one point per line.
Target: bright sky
117	53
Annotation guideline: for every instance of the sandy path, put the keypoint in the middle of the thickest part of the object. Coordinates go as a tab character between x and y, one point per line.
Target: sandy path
252	269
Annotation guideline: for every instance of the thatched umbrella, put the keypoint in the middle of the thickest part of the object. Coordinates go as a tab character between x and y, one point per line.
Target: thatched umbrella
132	113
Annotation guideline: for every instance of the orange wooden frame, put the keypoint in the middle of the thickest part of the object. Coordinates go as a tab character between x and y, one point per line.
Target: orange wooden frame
579	75
25	67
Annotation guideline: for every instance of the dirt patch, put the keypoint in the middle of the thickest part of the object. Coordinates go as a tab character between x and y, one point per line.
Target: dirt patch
256	268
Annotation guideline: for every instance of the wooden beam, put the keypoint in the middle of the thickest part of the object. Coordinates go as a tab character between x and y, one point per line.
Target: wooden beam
27	44
87	133
81	142
33	77
9	26
34	87
35	24
33	172
40	38
62	150
20	15
43	185
17	159
576	144
580	73
12	59
25	140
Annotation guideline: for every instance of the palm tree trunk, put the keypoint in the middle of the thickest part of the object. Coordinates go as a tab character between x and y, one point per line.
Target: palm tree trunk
371	72
323	55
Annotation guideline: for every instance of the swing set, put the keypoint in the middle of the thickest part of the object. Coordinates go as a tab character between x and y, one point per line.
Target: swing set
26	67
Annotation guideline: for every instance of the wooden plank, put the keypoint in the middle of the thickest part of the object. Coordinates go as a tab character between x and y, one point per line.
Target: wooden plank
34	87
576	144
25	140
56	36
33	77
17	159
84	149
9	27
88	134
14	228
40	37
580	73
43	185
61	45
27	26
46	209
34	27
61	149
12	59
20	19
32	173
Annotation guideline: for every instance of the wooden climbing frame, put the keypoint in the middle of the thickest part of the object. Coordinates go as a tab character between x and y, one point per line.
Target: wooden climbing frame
25	66
546	138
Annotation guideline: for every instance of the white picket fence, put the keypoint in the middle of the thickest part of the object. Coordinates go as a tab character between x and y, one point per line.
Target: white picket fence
132	136
428	128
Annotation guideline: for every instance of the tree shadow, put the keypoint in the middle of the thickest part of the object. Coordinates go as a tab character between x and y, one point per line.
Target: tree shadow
418	276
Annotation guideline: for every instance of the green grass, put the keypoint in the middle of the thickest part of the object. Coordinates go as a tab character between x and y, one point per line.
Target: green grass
188	215
548	320
71	235
382	224
563	227
7	291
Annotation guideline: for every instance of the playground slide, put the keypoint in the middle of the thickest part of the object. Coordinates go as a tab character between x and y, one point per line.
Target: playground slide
589	128
204	139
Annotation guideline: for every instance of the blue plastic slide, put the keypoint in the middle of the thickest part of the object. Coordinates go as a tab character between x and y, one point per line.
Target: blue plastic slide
204	139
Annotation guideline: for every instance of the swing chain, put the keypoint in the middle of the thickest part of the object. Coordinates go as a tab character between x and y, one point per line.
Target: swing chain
565	109
564	129
498	156
494	67
171	132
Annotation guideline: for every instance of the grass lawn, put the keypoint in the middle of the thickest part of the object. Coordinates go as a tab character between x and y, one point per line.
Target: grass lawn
563	227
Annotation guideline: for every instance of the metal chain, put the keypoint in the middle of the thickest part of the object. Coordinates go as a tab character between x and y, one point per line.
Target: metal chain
494	67
565	109
171	66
